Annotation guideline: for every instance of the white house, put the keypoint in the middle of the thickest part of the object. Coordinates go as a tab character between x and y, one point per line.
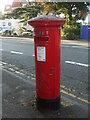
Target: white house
5	25
9	24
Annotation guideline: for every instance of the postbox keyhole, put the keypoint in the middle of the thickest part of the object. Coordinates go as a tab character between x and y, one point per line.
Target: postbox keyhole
40	33
51	71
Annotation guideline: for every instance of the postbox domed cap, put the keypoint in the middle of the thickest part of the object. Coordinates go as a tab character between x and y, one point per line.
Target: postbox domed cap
46	21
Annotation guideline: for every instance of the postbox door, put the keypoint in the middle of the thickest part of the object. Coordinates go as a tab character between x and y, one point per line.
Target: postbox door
45	72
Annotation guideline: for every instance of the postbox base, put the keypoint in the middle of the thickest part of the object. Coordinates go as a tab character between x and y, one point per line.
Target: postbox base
53	104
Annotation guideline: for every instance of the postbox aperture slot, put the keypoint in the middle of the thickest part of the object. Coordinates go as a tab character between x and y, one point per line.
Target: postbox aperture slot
42	38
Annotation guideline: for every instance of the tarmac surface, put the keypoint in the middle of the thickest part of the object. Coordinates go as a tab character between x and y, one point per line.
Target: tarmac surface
19	92
21	102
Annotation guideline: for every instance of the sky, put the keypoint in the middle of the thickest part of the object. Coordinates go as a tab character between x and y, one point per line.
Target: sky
5	2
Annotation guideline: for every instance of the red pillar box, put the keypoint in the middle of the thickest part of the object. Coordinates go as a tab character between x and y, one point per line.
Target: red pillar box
47	59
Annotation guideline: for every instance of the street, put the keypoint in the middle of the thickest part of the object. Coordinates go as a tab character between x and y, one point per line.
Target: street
18	58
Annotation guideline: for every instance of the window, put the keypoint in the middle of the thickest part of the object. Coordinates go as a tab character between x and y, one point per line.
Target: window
9	24
4	24
0	28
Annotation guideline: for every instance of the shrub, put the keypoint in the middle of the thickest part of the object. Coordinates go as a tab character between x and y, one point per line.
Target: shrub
20	31
71	30
6	33
15	34
27	34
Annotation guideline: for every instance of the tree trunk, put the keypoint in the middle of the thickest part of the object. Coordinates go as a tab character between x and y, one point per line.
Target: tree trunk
70	13
28	2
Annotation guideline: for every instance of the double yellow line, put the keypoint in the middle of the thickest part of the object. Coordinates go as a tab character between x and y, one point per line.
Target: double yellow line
72	95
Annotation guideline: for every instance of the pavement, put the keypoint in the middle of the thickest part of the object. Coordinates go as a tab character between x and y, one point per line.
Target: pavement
76	42
18	75
21	102
73	42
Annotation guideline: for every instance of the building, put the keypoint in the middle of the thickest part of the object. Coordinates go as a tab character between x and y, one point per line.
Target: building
5	25
15	4
7	8
18	3
9	24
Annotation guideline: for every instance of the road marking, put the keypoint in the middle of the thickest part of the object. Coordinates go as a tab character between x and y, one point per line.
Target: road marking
24	42
72	95
17	72
33	55
1	49
65	45
14	52
82	47
4	63
62	86
11	69
70	46
75	63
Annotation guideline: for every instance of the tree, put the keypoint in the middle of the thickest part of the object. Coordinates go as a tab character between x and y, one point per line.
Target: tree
71	10
24	13
76	10
1	15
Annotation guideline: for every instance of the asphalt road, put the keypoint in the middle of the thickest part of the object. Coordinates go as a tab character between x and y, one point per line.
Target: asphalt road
18	57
